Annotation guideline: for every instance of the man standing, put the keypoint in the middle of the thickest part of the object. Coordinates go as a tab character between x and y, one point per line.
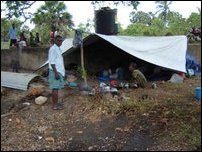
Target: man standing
12	35
56	71
13	41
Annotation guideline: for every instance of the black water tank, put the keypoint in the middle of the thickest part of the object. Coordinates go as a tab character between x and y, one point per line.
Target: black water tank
105	21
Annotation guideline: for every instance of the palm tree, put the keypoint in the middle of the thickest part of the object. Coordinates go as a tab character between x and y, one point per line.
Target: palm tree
53	12
49	14
140	17
163	9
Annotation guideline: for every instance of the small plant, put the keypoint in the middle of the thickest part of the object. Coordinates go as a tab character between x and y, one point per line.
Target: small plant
81	72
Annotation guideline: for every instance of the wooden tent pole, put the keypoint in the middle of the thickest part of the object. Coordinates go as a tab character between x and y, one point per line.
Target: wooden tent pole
82	65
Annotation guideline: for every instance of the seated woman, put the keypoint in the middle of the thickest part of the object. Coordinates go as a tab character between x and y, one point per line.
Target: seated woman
23	40
137	76
31	40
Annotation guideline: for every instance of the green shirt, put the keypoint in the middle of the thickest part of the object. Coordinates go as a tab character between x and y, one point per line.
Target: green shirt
139	78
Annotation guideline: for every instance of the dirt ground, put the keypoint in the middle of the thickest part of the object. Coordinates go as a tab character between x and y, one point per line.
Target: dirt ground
165	118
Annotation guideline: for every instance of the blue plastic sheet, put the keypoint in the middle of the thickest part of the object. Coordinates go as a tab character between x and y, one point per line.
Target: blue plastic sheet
192	64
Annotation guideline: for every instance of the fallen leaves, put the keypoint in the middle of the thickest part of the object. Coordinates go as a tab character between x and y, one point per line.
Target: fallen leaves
50	139
35	92
124	129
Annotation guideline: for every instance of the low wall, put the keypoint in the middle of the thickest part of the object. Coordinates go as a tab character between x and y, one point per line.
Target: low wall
29	58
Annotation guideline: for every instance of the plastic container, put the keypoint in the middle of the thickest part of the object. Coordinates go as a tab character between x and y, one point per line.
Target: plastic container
198	93
105	21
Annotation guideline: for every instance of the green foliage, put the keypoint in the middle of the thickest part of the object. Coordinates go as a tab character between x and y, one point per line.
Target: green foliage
175	22
82	72
86	28
166	22
120	29
18	8
158	27
44	33
6	24
139	29
175	25
52	13
194	20
163	9
141	17
135	29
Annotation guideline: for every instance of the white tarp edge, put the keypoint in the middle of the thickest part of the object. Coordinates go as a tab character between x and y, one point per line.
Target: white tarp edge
66	45
165	51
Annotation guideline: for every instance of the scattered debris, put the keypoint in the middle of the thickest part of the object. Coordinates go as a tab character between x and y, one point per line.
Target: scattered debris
7	114
35	92
79	132
26	103
41	100
154	86
50	139
40	137
176	78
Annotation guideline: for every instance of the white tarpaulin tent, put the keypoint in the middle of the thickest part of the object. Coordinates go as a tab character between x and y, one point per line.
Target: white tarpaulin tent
164	51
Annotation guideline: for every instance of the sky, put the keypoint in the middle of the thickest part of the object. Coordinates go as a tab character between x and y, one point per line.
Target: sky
86	10
83	10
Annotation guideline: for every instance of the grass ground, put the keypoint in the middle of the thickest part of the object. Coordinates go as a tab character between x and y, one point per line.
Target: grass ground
166	118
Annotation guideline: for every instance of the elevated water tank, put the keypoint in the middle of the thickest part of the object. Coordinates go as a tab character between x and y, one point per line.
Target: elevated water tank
105	21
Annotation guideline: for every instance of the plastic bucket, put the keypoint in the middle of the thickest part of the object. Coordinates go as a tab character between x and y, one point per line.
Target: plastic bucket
198	93
73	84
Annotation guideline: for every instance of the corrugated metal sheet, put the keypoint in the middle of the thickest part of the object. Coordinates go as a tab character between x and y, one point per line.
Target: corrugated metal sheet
16	80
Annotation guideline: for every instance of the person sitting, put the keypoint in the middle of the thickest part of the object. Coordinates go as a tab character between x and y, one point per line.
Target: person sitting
23	40
112	73
37	40
116	73
31	39
137	76
22	37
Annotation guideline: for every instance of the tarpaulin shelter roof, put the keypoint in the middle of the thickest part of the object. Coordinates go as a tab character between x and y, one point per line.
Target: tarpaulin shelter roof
165	51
